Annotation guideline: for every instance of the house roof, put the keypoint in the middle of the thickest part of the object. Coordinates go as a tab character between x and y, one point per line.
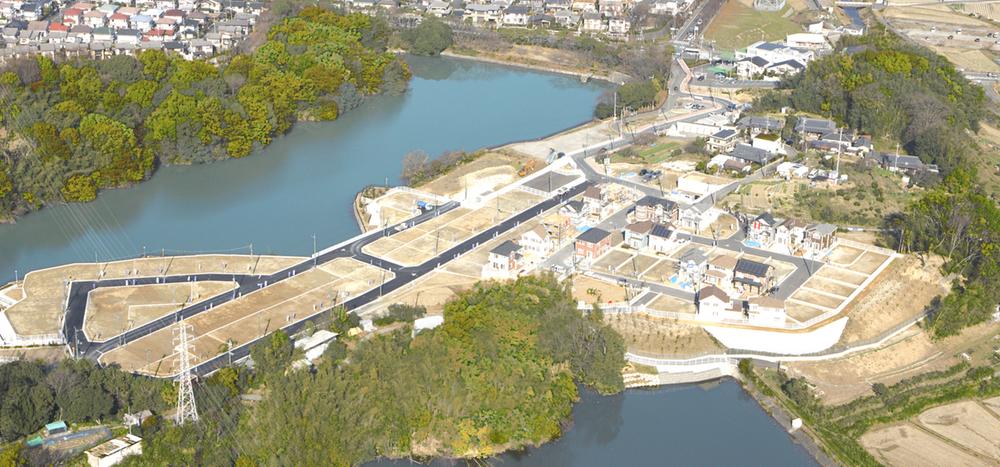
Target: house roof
758	61
592	192
575	205
694	255
593	235
823	229
661	231
792	223
643	227
749	153
725	133
653	201
766	218
723	262
902	162
791	63
712	291
761	122
815	125
506	249
753	268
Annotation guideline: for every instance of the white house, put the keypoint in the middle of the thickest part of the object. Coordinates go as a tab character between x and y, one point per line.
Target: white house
714	304
504	261
536	242
769	142
806	40
481	13
618	26
766	311
592	22
516	15
439	8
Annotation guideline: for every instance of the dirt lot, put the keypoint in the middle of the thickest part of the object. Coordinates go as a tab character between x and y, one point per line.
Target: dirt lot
966	423
802	312
608	292
45	354
828	286
252	315
909	354
114	310
668	303
868	262
661	272
899	293
843	275
814	298
844	255
487	173
41	311
906	445
662	337
611	260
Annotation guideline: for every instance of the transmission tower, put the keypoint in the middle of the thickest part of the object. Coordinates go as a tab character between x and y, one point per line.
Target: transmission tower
186	409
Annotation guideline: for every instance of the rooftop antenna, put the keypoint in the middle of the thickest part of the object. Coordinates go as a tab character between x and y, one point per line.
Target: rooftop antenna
186	408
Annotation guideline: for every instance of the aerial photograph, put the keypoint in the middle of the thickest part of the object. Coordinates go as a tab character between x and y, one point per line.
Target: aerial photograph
512	233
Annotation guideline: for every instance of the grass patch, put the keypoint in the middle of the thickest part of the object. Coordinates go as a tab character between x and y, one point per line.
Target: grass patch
738	25
654	154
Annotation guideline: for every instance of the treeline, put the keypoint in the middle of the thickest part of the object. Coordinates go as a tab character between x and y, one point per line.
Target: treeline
884	86
77	126
958	221
77	391
498	374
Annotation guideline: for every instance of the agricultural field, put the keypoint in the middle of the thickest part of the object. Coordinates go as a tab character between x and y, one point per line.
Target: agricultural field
738	25
961	433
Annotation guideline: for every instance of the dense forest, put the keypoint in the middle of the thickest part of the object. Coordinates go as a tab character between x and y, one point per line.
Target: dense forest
958	221
77	391
76	126
500	373
884	86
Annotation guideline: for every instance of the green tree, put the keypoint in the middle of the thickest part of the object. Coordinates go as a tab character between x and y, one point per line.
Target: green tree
431	37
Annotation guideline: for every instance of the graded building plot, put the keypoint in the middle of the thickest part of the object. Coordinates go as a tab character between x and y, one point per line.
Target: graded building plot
639	264
868	262
673	304
661	272
802	312
114	310
515	201
841	274
611	261
250	316
41	310
382	246
844	255
907	445
52	354
431	291
926	15
814	298
588	289
550	181
824	285
965	423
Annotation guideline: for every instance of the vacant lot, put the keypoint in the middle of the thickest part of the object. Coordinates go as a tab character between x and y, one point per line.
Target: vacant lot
661	272
738	25
829	286
41	310
114	310
668	303
611	260
901	292
252	315
487	173
588	289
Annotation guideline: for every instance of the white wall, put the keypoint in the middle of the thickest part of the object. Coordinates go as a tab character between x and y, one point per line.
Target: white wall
791	343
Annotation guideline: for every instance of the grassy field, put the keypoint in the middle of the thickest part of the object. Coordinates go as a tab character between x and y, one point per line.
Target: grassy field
654	154
738	25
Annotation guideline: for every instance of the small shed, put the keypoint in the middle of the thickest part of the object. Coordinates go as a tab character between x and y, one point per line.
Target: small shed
55	428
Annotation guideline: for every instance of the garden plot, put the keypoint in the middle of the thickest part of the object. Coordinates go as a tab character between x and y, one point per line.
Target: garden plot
114	310
252	316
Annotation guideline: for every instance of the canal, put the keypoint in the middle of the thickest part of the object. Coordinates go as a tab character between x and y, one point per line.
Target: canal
303	184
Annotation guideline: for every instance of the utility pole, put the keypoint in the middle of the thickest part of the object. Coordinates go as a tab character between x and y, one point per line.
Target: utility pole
186	408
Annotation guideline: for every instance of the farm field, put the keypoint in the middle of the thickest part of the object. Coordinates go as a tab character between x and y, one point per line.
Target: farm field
738	25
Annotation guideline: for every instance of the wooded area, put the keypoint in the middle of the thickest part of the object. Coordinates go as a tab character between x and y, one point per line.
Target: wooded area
77	126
